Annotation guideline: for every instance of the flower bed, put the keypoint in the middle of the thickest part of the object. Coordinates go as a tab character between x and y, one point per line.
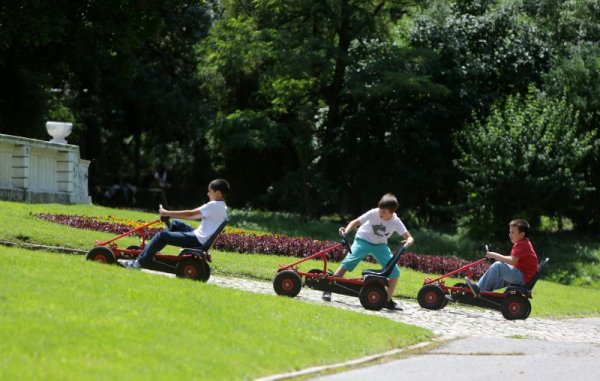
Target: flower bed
247	241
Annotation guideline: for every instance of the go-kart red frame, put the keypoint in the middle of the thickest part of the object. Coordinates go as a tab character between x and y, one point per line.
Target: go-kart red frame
370	288
190	263
513	302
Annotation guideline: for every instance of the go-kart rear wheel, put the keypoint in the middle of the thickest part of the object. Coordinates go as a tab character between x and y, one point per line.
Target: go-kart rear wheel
373	296
191	268
431	297
310	282
288	283
206	272
101	254
515	307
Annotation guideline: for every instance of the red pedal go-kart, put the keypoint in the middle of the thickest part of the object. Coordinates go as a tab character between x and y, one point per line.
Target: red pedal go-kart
370	288
513	302
191	263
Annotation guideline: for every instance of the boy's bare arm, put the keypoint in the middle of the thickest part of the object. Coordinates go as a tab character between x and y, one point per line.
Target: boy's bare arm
408	239
351	226
193	214
509	259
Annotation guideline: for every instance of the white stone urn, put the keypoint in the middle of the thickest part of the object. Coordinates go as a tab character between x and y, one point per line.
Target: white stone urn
59	131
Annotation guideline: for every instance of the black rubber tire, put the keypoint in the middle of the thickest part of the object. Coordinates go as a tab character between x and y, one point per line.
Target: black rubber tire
101	254
206	272
287	283
373	296
134	247
515	307
190	268
431	297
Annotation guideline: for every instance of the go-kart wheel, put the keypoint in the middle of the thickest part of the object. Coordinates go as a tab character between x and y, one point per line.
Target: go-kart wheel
373	296
191	268
101	254
431	297
310	282
288	283
515	307
205	272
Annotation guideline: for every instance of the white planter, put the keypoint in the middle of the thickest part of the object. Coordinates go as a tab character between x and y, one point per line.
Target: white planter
59	131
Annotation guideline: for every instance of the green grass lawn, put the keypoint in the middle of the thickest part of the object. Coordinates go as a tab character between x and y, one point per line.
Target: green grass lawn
64	318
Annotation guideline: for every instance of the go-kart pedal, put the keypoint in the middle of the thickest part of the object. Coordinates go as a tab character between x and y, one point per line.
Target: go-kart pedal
473	287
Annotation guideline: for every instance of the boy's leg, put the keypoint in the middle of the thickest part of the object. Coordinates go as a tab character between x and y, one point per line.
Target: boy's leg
349	263
383	254
499	275
180	226
164	238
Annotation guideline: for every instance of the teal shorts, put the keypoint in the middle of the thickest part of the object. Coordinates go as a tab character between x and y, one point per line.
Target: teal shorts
362	248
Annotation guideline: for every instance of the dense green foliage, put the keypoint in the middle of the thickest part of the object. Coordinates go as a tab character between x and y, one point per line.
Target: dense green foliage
317	106
524	160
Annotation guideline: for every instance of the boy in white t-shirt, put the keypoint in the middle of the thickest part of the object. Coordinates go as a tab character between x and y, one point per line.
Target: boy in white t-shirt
376	226
180	234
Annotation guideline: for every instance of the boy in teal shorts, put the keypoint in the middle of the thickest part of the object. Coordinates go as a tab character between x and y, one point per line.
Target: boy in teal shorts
375	227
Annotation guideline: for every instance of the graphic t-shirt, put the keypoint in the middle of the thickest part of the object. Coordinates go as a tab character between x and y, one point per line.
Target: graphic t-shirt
213	215
528	260
375	230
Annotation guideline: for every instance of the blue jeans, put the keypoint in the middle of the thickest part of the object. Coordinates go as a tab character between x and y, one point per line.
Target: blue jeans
178	234
500	275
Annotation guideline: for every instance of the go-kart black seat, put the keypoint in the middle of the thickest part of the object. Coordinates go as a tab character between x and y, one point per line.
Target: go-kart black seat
389	267
203	251
534	280
526	288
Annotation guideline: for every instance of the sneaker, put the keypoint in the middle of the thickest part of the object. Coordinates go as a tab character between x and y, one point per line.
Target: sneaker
473	287
129	264
326	296
391	305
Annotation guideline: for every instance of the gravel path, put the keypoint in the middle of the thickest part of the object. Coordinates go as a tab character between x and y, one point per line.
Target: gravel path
453	321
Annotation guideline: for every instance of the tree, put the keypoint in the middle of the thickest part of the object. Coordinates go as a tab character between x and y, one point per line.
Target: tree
288	63
523	160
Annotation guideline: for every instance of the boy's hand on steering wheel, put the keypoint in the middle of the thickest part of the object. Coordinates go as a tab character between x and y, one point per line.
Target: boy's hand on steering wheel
342	231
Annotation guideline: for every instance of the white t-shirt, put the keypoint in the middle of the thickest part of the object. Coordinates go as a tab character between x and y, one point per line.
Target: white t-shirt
213	215
375	230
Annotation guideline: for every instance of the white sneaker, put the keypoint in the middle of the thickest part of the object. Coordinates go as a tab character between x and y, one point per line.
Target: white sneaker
326	296
129	264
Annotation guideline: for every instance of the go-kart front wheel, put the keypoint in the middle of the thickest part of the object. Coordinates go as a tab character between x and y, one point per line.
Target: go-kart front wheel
193	268
373	296
101	254
288	283
515	307
431	297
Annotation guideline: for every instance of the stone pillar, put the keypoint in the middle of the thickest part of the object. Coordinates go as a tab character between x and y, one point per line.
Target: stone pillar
65	171
20	167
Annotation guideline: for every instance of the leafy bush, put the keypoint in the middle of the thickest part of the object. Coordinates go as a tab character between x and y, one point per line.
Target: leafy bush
523	160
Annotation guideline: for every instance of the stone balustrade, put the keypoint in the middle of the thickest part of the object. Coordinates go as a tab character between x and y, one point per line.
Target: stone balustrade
37	171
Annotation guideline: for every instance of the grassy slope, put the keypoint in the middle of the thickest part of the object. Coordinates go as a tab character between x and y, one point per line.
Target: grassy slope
69	319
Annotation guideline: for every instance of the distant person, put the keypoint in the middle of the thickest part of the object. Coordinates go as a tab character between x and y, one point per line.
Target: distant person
160	180
376	226
120	192
180	234
517	268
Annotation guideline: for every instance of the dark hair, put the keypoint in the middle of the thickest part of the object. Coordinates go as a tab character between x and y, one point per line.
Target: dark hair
389	202
521	225
219	185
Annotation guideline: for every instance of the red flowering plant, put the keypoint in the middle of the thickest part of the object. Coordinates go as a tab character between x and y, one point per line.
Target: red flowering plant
248	241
